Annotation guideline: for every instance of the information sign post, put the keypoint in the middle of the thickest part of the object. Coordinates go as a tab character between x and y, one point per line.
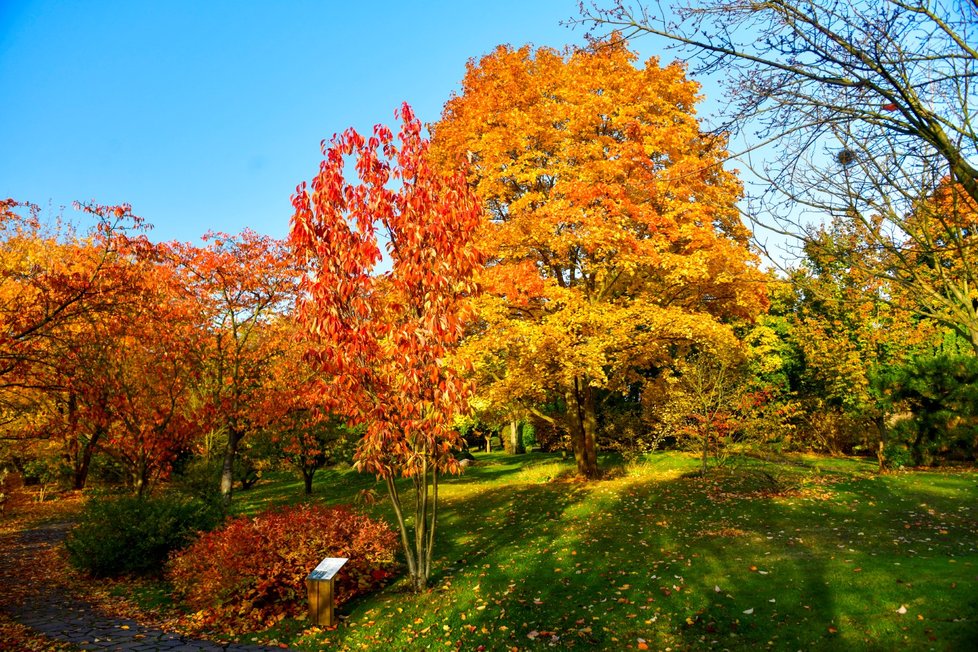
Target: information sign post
319	583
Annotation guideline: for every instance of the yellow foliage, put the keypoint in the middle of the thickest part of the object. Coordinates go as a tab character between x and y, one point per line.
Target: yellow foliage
612	227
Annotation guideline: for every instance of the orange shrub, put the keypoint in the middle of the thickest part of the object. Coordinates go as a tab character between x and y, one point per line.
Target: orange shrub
251	573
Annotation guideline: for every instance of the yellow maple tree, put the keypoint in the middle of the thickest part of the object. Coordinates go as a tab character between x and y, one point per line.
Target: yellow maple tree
611	225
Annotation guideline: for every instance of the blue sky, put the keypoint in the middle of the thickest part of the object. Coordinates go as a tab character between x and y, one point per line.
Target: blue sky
205	115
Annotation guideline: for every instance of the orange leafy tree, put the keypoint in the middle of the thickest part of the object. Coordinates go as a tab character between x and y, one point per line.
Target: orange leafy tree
612	231
299	431
147	377
243	284
120	383
386	338
57	287
53	278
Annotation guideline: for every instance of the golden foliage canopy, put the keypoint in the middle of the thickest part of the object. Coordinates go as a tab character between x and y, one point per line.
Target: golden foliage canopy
612	227
612	230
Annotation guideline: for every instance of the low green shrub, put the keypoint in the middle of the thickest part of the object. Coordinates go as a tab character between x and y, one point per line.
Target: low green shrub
107	471
198	477
251	573
132	535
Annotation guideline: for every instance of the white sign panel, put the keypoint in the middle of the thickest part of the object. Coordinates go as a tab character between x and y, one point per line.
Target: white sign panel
327	568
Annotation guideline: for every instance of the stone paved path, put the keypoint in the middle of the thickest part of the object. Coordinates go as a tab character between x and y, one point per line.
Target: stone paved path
49	612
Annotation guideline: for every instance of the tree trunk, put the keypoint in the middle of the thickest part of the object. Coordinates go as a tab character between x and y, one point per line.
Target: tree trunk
430	549
402	528
420	526
590	431
515	440
83	461
307	476
227	471
74	447
880	422
417	553
971	334
139	480
582	423
706	447
575	427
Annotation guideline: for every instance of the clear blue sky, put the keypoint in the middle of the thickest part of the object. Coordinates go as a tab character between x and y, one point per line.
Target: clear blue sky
206	114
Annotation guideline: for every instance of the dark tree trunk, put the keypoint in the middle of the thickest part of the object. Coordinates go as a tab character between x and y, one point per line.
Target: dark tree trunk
590	430
582	423
83	461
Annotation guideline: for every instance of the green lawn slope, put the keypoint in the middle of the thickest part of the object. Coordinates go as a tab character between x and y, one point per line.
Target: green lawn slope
802	553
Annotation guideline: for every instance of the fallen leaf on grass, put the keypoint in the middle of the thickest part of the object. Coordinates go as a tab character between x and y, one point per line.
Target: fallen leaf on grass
749	611
902	609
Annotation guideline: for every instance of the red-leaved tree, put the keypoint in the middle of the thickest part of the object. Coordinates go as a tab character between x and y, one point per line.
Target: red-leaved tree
385	338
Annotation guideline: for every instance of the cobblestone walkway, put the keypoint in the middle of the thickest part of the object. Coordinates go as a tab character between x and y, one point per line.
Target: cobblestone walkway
48	611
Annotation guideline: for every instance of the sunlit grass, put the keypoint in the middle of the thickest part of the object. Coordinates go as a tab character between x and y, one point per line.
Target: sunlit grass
806	553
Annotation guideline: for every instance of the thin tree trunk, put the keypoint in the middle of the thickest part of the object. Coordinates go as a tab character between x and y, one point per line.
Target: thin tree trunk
307	477
706	447
402	526
80	454
84	460
74	445
227	470
431	528
419	556
880	422
420	525
139	479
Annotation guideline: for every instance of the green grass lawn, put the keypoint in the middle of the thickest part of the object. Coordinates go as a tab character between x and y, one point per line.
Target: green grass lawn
805	554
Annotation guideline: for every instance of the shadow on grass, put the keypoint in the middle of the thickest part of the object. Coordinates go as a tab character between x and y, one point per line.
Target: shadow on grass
813	554
749	556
